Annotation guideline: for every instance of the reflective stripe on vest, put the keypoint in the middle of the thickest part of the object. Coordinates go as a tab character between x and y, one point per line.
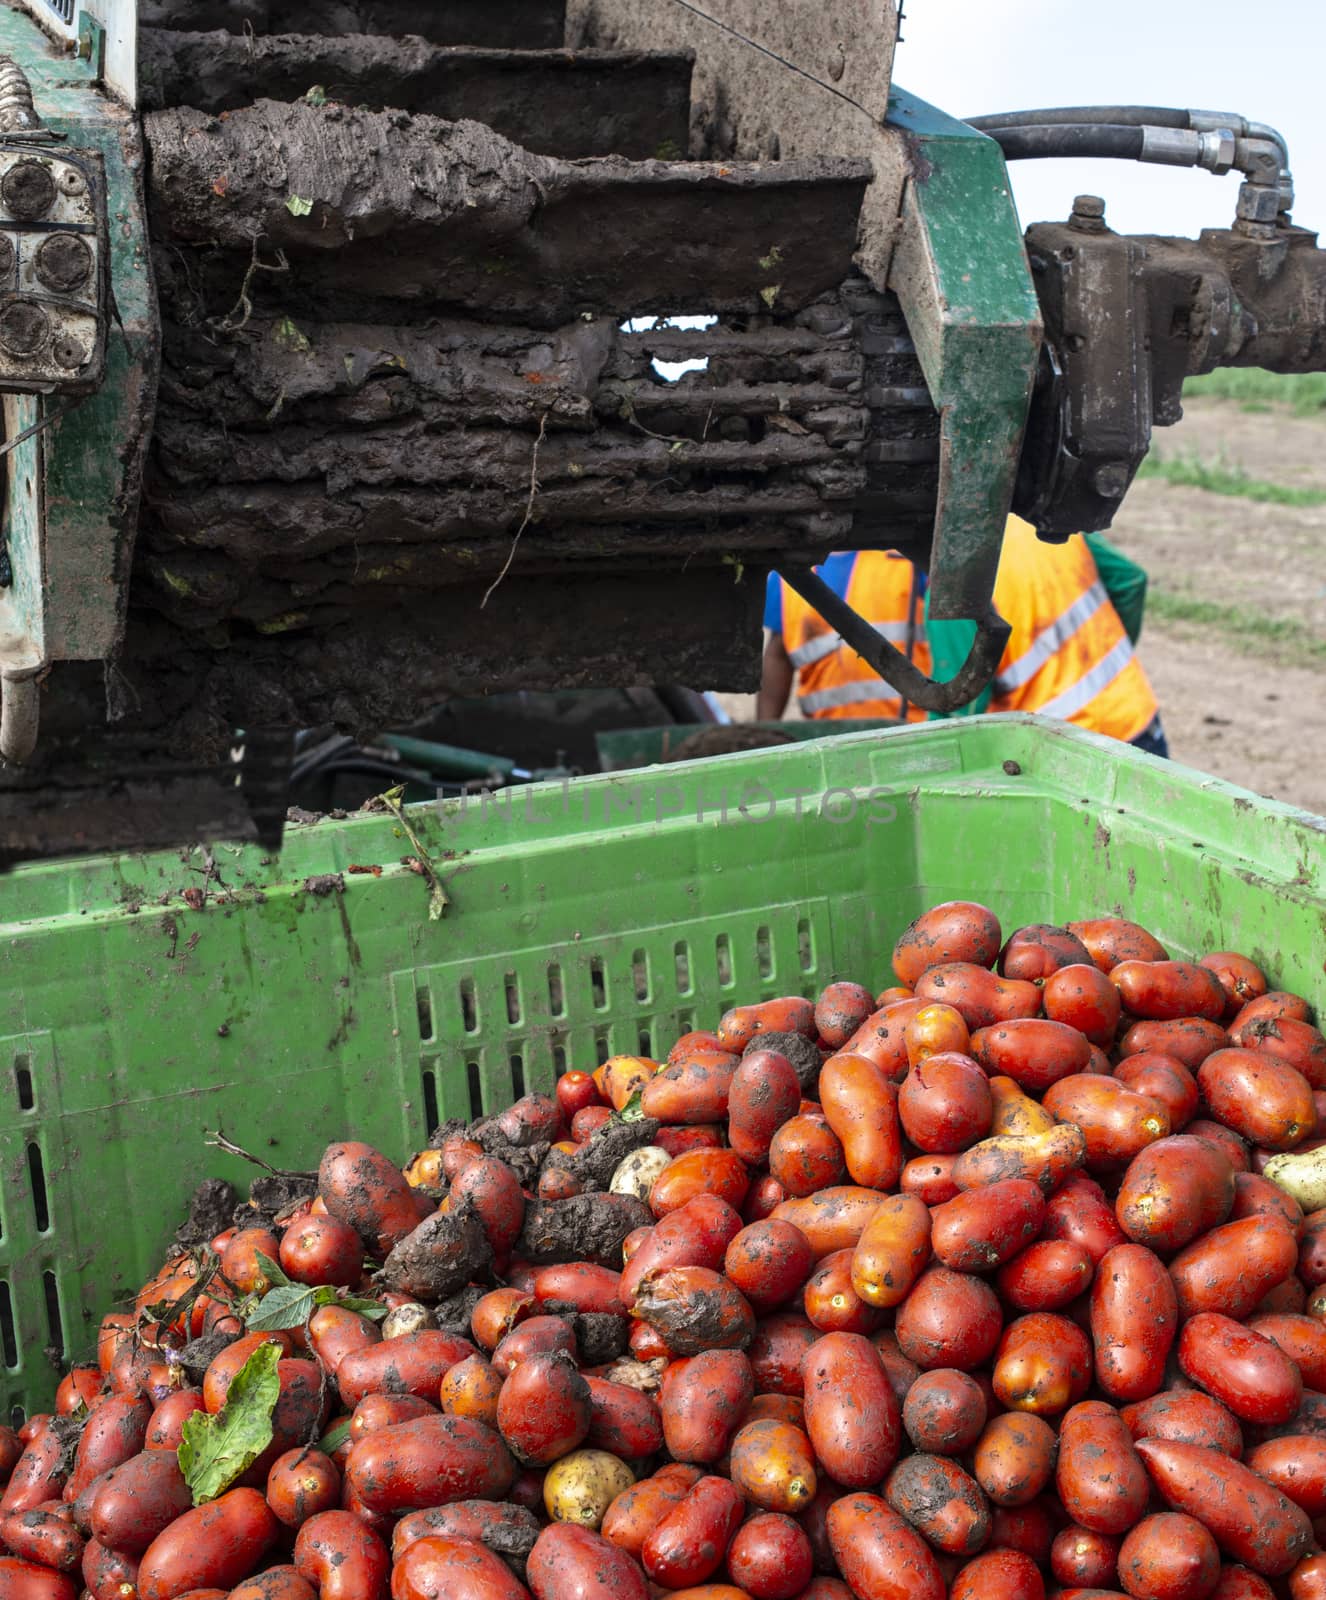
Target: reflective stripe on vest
847	694
1085	690
824	644
1051	640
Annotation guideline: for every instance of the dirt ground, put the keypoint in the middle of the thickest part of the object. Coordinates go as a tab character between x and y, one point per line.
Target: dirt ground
1237	701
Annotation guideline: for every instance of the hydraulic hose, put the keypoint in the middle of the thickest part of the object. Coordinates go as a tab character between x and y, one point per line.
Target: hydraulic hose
1039	142
1135	117
1111	116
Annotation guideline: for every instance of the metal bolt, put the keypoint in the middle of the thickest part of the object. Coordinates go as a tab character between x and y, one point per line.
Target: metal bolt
69	353
1088	214
28	190
63	262
24	329
1110	480
71	181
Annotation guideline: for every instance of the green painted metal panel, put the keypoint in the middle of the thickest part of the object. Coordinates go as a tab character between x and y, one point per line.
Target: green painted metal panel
961	274
603	915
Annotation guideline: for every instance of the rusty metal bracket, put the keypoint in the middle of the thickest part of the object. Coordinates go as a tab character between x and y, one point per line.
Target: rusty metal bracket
892	665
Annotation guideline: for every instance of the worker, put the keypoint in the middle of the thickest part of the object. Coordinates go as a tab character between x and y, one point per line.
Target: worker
1075	610
831	680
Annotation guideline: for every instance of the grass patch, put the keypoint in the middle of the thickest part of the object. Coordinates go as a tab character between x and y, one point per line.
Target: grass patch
1187	472
1303	392
1249	631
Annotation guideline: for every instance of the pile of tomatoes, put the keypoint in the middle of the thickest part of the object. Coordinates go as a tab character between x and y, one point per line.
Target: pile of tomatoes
973	1288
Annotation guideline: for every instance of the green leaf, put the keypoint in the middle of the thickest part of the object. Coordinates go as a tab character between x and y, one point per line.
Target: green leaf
633	1110
290	1305
215	1450
335	1438
374	1310
297	206
317	95
272	1271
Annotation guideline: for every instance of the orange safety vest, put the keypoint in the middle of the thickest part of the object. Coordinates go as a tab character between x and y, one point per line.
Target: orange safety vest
1069	655
832	680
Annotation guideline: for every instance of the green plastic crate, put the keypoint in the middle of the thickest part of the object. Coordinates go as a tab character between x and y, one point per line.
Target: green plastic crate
606	916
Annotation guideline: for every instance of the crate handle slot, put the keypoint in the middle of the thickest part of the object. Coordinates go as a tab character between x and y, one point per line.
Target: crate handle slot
8	1331
41	1208
723	953
476	1088
23	1082
640	975
423	1001
517	1076
682	955
53	1319
431	1118
764	952
469	1010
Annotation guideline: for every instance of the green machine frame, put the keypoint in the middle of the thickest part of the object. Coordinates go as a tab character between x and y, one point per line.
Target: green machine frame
74	452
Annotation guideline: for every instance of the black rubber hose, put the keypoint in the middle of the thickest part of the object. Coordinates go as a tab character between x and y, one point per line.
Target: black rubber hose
1069	139
1107	116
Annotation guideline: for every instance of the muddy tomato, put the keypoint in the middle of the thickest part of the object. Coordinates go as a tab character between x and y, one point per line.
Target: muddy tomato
318	1250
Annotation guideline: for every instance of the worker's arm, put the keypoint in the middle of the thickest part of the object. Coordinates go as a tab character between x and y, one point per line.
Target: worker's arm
775	681
1125	582
950	645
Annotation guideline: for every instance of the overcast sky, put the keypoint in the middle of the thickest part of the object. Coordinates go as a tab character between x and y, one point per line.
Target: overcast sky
1265	59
